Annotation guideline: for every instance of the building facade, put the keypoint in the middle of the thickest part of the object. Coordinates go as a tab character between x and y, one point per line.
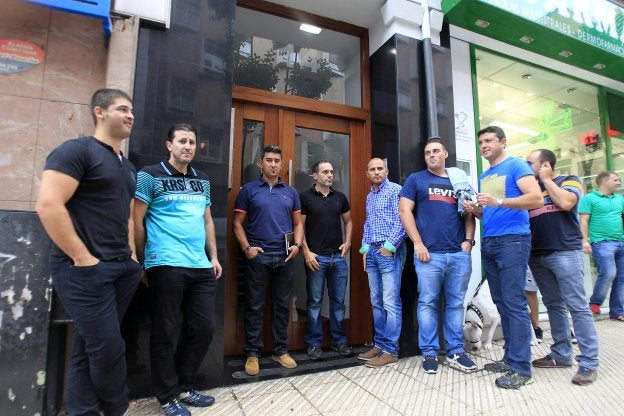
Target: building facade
376	81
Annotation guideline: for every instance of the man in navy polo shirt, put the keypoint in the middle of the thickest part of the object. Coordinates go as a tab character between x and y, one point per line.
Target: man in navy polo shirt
173	231
323	210
85	204
273	210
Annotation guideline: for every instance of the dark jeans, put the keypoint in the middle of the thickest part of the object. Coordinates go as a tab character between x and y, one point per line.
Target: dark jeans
505	260
182	311
267	268
95	298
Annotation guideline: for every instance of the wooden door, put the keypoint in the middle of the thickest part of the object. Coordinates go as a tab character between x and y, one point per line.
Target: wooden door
304	138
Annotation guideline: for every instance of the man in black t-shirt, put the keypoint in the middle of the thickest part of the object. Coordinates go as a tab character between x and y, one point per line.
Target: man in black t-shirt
323	210
85	205
556	261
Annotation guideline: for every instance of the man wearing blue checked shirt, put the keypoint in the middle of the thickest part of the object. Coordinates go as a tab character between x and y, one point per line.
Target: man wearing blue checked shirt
383	250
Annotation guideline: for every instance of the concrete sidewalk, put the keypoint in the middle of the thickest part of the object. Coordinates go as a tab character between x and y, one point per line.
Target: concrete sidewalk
404	389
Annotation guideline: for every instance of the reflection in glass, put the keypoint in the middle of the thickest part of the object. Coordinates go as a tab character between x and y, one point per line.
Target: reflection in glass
253	142
310	147
272	54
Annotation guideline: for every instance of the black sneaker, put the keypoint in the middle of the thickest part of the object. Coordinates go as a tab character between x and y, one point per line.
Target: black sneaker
192	398
549	362
461	361
343	349
315	353
174	408
430	364
584	376
513	380
497	367
539	334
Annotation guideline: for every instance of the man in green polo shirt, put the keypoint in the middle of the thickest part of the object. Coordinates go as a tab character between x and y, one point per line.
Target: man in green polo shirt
603	237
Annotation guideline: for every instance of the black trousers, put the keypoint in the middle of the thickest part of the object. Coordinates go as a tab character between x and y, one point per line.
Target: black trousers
182	312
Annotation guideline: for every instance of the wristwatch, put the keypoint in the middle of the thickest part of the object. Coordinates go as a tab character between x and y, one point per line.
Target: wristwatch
472	242
499	202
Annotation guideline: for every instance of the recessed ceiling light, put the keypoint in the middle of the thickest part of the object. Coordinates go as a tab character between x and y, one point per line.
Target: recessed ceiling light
310	28
526	39
527	76
482	23
565	54
600	66
571	90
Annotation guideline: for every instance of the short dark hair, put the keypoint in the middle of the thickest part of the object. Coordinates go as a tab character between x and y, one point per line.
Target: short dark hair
546	155
603	176
271	148
435	139
493	129
105	97
315	167
180	127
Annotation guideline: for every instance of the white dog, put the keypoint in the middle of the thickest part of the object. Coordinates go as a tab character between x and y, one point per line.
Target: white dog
482	311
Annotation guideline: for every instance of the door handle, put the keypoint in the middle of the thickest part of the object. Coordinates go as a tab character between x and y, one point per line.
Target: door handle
290	173
231	155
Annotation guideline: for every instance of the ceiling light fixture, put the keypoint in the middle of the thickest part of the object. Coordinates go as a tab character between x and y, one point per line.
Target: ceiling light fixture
526	39
565	54
527	76
310	28
482	23
600	66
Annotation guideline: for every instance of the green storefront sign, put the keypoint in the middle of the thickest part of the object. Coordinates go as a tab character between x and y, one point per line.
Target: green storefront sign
584	33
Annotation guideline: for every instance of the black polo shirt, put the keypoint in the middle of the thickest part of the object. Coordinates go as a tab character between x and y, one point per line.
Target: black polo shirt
100	207
323	224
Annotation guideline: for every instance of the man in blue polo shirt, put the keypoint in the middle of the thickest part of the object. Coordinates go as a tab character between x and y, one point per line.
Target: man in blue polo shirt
173	231
323	211
273	212
85	205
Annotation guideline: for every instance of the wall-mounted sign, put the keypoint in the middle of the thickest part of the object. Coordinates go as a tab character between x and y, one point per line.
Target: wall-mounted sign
18	55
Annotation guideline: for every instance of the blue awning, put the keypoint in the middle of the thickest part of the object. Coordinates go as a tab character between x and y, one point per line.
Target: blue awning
98	9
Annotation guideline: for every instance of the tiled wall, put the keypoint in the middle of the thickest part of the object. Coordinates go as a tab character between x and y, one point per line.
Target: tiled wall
48	104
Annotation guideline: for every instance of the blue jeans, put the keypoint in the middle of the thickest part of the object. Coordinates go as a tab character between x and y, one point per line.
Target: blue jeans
559	276
384	281
96	298
333	269
609	256
505	260
182	311
263	269
447	273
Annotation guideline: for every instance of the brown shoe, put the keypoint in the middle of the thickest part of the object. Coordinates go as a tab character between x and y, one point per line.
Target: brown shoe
382	360
370	354
285	360
252	367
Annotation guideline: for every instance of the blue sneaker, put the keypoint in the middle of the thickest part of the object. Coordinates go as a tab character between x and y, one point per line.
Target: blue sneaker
192	398
461	362
174	408
430	364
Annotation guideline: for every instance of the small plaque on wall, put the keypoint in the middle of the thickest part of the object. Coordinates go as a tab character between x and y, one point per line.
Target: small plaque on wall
18	55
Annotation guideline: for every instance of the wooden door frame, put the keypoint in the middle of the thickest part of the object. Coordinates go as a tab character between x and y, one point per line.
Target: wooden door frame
305	112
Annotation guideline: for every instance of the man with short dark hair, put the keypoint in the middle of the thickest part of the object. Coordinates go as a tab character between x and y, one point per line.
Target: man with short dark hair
273	210
323	211
173	231
603	238
85	204
443	239
506	191
557	265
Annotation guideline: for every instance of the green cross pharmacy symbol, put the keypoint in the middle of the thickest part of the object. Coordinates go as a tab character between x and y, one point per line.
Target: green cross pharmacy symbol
551	123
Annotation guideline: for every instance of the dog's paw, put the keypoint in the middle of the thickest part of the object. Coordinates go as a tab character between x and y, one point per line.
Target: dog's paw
534	342
487	346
